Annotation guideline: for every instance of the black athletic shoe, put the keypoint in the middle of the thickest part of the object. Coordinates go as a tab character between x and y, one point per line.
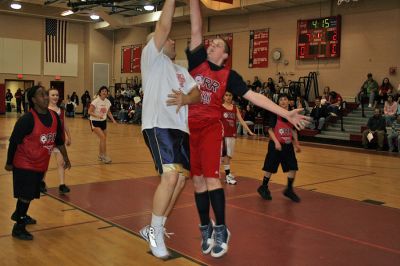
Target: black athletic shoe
26	219
63	189
43	187
20	232
264	192
291	195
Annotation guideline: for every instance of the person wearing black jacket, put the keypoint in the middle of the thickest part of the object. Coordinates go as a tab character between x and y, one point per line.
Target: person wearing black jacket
319	114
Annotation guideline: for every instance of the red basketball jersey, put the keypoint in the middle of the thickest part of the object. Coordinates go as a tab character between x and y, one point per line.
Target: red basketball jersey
283	131
35	150
212	88
229	121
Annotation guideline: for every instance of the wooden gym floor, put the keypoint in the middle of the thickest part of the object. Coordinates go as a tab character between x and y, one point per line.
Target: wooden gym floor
97	223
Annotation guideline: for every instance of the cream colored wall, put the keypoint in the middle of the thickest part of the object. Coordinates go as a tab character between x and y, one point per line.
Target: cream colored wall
99	50
31	28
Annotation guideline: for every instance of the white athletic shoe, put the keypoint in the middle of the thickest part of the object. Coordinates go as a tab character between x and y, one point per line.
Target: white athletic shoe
156	242
144	233
230	179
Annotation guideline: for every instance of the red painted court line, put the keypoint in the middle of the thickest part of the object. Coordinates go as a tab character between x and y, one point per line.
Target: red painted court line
318	230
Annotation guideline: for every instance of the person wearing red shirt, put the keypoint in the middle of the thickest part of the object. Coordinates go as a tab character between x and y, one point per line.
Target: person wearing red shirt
230	115
283	140
207	68
34	136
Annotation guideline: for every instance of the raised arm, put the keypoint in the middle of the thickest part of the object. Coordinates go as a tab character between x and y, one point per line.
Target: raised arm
294	116
196	23
163	26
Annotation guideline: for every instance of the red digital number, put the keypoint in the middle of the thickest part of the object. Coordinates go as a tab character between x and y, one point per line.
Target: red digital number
333	49
334	37
309	36
302	51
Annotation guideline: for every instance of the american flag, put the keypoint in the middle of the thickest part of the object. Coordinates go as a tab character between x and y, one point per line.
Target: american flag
56	40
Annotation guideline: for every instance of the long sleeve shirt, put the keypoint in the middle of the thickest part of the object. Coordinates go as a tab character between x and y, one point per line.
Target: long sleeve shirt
390	109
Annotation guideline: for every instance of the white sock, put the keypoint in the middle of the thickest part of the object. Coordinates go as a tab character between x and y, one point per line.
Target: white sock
227	167
156	221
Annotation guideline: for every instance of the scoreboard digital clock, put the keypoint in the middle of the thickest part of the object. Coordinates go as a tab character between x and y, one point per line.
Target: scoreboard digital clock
318	38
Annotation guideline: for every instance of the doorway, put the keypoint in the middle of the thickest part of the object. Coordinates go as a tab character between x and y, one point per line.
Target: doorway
14	85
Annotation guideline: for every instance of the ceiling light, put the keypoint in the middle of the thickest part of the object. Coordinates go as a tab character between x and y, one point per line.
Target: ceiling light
94	17
149	7
67	13
15	5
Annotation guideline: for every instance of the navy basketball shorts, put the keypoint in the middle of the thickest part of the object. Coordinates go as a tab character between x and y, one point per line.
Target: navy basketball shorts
169	149
286	158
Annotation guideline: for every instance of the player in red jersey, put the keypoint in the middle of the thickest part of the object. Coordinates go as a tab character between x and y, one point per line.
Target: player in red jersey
206	66
34	136
230	115
282	144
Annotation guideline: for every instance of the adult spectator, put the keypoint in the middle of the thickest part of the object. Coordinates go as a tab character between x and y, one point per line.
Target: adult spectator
18	99
256	83
376	126
75	98
281	85
390	110
369	89
395	135
85	99
319	114
9	97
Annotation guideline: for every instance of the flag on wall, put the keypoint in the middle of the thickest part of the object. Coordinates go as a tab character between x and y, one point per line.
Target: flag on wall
56	41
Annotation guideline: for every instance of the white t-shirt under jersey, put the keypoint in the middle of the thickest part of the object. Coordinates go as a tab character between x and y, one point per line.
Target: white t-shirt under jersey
159	76
100	108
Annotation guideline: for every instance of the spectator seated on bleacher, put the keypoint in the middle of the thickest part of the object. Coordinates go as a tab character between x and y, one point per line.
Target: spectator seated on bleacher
384	90
301	103
369	90
335	103
318	114
377	127
390	110
395	135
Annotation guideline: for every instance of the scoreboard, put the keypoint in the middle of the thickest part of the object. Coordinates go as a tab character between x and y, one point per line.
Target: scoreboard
318	38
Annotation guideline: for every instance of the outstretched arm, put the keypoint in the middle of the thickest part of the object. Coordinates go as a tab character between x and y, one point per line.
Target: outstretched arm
294	116
196	23
163	26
